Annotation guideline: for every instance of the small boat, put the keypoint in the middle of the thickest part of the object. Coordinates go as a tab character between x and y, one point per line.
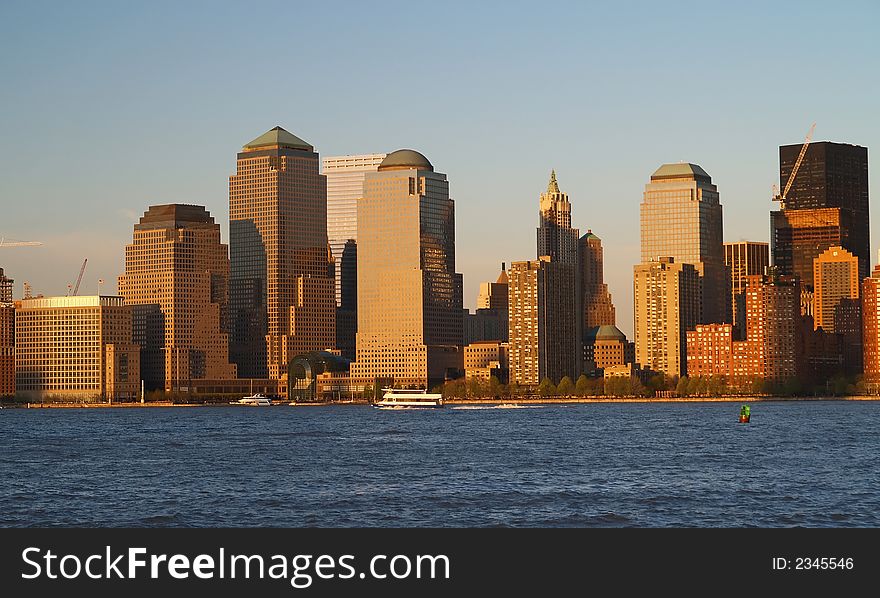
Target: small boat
744	414
256	400
402	398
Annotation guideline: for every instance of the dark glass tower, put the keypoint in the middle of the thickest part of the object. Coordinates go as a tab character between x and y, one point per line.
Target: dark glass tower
826	206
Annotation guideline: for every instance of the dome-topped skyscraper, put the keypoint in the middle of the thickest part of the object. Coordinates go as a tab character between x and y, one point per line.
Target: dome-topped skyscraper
409	295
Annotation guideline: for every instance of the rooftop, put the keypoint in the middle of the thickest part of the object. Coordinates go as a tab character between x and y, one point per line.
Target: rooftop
605	333
681	170
406	159
278	137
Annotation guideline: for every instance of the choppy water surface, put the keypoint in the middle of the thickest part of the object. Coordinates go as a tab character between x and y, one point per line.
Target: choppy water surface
643	465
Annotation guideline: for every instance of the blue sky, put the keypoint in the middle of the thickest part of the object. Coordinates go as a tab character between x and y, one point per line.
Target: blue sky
107	108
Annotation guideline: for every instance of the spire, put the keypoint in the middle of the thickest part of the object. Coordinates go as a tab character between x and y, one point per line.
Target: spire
553	187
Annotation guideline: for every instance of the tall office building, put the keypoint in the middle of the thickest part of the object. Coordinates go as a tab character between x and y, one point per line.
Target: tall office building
666	304
345	185
871	325
598	309
743	259
556	238
76	348
176	280
558	241
826	206
281	295
543	342
772	322
681	218
835	279
409	295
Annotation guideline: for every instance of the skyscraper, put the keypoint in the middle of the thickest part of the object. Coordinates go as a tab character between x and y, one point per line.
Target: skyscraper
598	309
409	295
871	325
345	185
556	238
772	322
280	293
681	218
563	328
826	206
666	304
176	281
835	279
543	342
743	259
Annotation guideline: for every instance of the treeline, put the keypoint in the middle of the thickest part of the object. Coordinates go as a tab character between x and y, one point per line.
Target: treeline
583	387
710	386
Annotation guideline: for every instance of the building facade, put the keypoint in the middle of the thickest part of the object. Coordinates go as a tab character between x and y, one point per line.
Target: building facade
666	304
345	185
835	279
485	359
772	327
7	349
598	309
826	206
710	351
409	295
606	346
76	348
871	326
278	251
681	217
743	259
543	335
5	288
176	281
556	238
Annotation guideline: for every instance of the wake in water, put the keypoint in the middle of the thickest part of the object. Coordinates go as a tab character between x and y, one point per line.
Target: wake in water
502	406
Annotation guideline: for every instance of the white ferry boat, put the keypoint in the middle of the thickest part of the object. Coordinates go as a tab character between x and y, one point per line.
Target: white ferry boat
402	398
257	400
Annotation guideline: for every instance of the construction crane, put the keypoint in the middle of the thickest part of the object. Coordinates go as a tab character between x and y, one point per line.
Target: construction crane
797	164
80	277
13	243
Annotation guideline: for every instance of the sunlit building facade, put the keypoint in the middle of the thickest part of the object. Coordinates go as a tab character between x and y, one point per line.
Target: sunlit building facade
543	339
743	259
76	348
280	264
409	295
666	304
598	309
176	281
681	217
835	279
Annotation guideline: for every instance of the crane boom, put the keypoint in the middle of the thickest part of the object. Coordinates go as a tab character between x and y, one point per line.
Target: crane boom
797	163
5	243
80	277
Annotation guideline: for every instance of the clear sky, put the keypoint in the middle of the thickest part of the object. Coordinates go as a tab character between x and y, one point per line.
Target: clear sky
107	108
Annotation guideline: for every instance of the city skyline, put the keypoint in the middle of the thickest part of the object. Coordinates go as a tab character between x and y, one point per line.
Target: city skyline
600	134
